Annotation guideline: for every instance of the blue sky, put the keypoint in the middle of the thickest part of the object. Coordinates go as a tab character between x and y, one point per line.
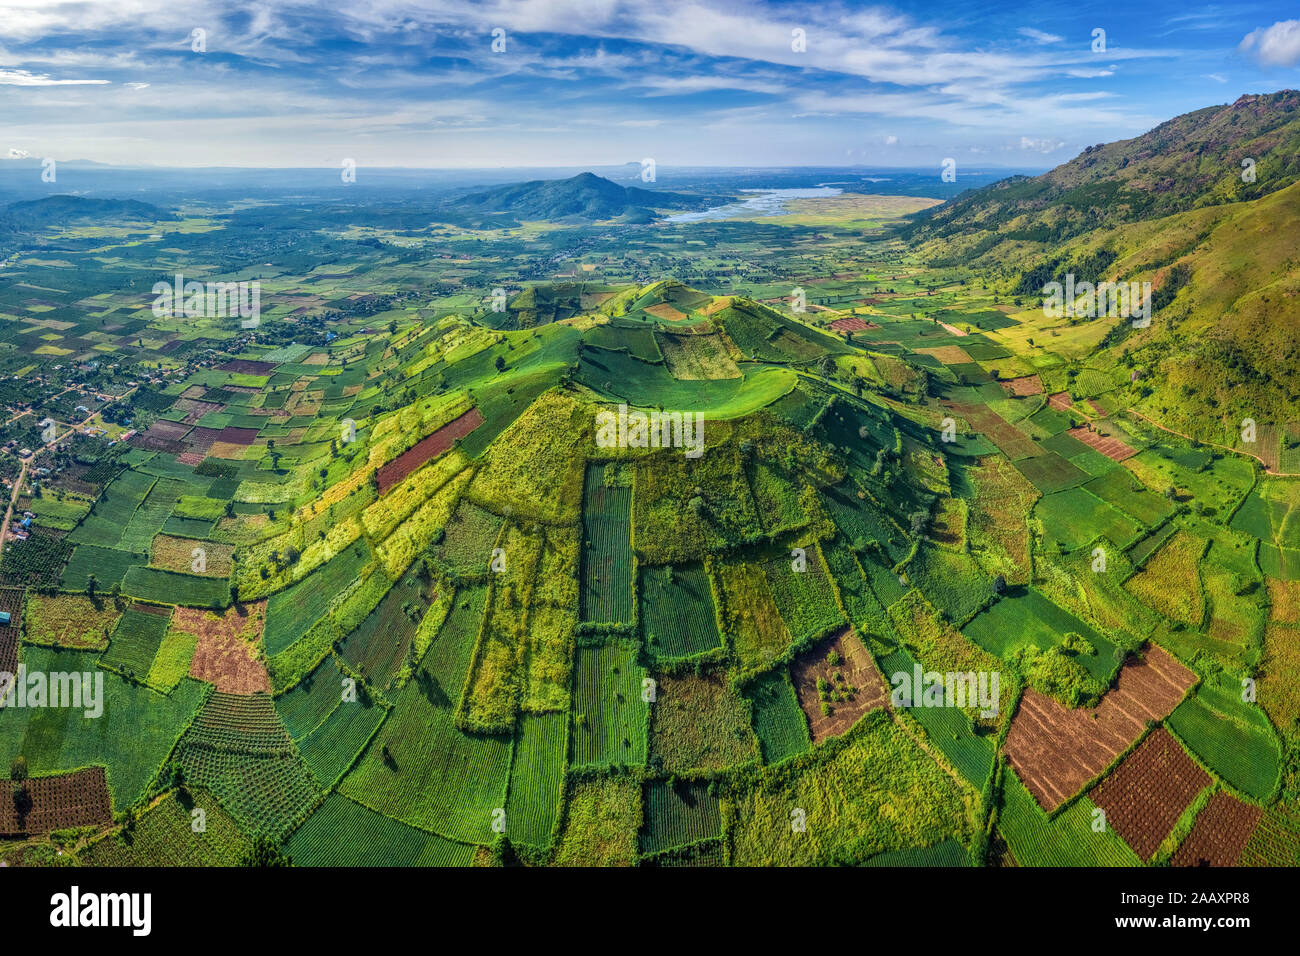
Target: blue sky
596	82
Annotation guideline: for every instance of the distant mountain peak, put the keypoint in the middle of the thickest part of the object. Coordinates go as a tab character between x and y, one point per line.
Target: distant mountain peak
585	196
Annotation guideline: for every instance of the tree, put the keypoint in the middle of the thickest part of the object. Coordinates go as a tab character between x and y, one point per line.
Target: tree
92	585
500	363
999	585
18	769
265	852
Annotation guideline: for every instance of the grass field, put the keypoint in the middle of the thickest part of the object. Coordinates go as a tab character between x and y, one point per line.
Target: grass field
677	616
948	728
805	598
132	738
344	833
1245	756
779	722
536	778
71	620
1029	618
289	613
699	723
1067	839
878	792
434	776
607	555
677	815
165	836
610	718
136	640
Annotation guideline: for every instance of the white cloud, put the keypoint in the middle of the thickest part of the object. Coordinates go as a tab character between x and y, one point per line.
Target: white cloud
15	153
1040	145
1216	77
1278	45
137	86
27	78
891	140
1039	35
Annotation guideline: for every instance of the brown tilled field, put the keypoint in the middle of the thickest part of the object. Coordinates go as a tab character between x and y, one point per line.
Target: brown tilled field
237	436
1055	750
247	367
427	448
666	312
1011	441
68	800
1112	448
1025	385
853	324
194	410
1220	833
948	354
162	436
1061	401
1148	792
226	653
857	671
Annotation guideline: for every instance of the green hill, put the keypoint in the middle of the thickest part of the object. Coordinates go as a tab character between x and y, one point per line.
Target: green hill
1190	161
585	196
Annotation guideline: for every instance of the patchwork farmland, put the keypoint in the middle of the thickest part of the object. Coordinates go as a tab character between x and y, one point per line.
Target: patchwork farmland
362	583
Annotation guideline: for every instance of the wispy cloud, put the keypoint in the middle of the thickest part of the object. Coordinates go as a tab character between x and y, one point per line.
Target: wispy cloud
415	81
26	78
1040	35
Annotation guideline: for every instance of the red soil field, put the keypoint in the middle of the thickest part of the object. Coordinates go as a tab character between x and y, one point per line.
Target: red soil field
427	448
1112	448
237	436
856	669
665	311
162	436
1056	750
200	439
1219	834
1149	791
1061	401
1025	385
74	799
226	653
852	325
